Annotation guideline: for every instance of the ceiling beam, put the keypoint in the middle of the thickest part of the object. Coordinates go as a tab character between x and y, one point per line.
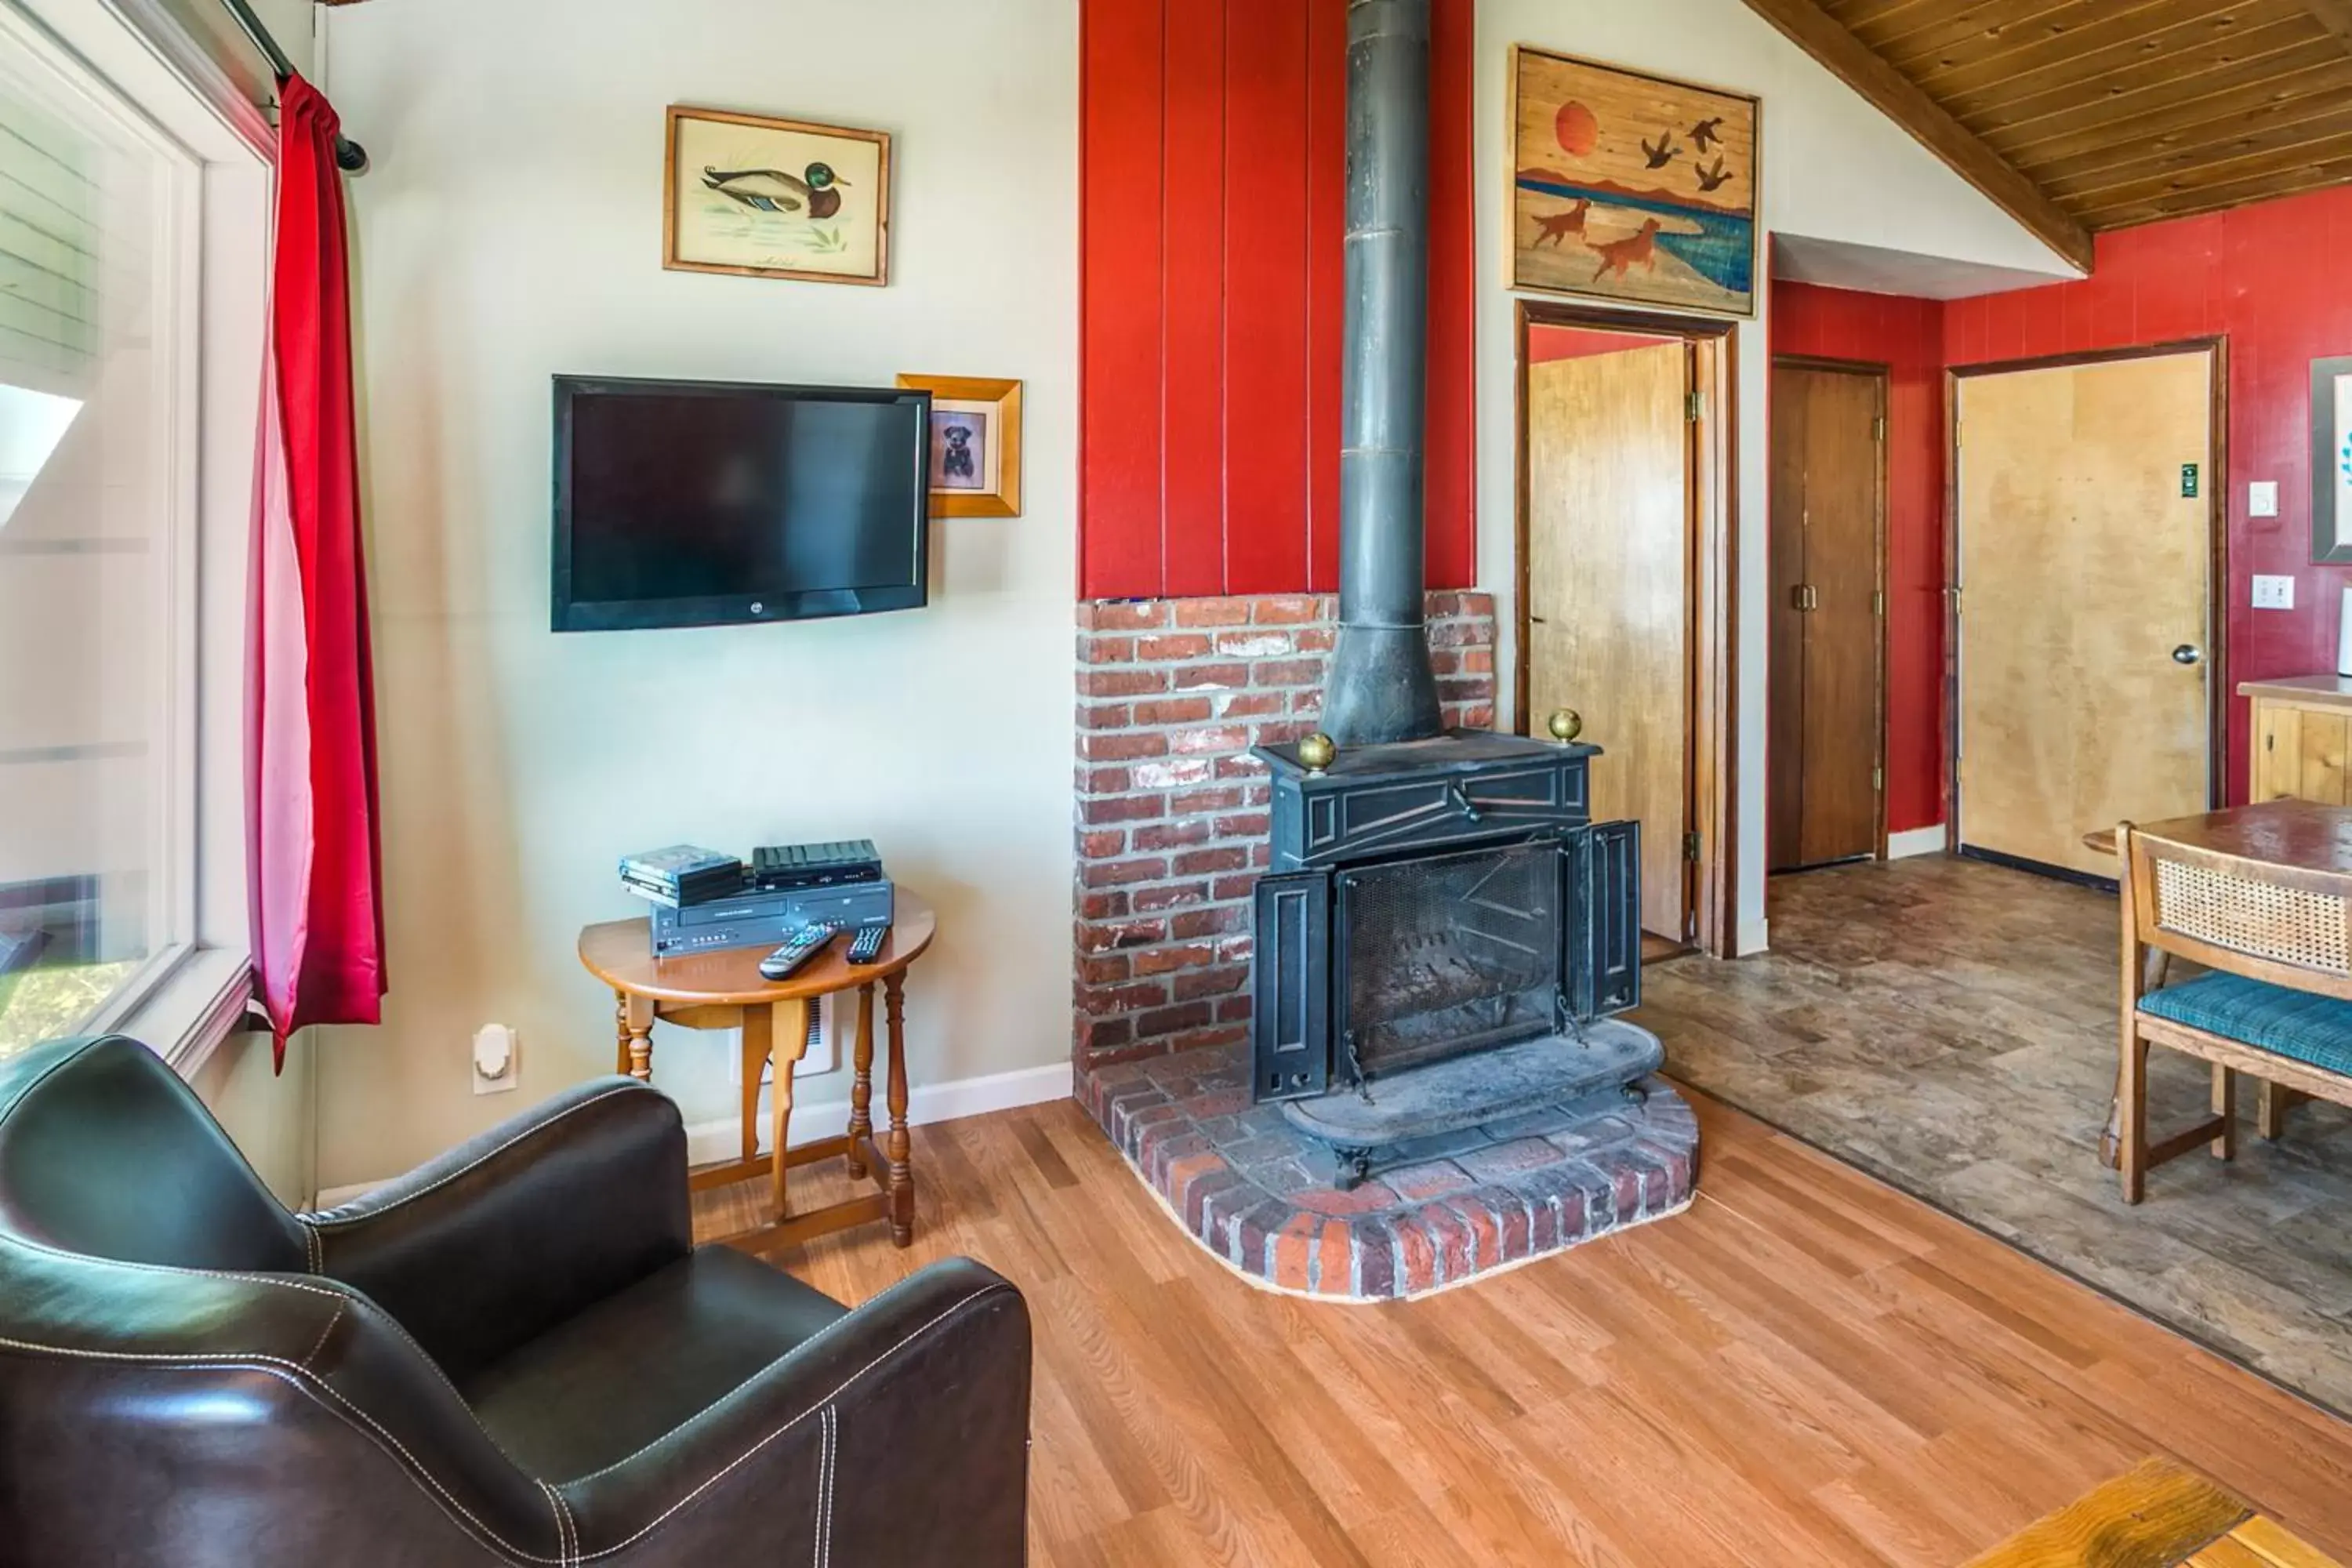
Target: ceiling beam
2336	15
1894	95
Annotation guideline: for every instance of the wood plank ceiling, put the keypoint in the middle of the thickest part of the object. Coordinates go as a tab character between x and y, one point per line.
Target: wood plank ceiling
2125	111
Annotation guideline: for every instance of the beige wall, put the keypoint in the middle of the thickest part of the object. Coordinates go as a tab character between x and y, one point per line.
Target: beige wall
510	229
267	1113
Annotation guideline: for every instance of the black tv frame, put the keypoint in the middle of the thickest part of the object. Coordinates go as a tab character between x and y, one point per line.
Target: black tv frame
569	615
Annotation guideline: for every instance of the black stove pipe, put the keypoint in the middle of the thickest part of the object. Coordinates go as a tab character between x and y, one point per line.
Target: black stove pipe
1381	687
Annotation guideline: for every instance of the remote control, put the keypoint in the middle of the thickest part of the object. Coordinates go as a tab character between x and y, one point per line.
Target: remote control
806	944
867	945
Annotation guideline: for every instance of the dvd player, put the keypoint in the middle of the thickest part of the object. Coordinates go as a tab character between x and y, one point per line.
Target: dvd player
781	866
767	918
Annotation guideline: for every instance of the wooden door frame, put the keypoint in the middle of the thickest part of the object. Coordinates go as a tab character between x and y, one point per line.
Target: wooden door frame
1883	373
2217	566
1711	787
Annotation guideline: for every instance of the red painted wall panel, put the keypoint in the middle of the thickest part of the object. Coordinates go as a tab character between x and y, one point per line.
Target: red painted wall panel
1266	263
1212	160
2261	278
1906	335
1120	413
1194	193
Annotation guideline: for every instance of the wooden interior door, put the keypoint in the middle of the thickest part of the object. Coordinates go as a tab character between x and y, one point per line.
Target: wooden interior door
2084	603
1609	592
1827	708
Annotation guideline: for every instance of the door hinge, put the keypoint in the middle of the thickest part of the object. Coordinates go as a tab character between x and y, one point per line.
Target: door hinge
1690	846
1878	601
1693	407
1878	777
1878	427
1956	429
1953	593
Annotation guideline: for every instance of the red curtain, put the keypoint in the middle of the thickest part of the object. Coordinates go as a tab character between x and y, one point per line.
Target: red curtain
317	871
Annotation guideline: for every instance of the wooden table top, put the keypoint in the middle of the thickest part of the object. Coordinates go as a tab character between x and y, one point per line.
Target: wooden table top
620	954
2298	833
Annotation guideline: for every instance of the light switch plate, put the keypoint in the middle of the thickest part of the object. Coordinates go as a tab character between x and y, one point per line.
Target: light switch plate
2262	498
2274	593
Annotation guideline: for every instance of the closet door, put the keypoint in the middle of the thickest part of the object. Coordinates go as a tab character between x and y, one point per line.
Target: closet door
1828	553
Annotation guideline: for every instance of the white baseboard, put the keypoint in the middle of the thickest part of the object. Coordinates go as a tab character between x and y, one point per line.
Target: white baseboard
1752	937
1915	841
707	1142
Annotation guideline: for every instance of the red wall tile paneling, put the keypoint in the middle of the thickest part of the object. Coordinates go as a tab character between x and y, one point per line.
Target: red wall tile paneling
1211	166
1906	335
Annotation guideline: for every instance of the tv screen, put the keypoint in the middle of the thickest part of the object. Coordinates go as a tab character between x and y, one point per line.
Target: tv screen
685	503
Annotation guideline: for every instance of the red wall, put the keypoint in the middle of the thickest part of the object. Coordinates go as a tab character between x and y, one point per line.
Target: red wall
1545	344
2270	279
1212	165
1906	336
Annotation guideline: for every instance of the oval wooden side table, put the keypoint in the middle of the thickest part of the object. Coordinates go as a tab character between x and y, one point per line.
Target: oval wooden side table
725	990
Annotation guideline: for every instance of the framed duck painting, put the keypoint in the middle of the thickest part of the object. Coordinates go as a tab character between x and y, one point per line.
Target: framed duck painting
775	198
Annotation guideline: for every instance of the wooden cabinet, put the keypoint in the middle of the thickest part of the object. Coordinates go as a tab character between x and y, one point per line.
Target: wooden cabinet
2302	729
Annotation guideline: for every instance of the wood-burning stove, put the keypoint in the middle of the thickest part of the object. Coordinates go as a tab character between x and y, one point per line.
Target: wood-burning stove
1432	899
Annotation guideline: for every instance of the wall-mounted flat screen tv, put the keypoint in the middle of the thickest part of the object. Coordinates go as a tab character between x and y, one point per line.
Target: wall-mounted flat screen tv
693	504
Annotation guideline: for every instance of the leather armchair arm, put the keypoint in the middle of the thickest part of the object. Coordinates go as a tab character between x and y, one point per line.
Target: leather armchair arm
489	1245
898	1435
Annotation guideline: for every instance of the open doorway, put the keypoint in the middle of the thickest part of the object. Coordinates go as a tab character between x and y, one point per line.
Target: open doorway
1624	587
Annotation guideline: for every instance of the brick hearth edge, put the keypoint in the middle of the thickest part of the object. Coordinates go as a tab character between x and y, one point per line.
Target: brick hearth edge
1172	810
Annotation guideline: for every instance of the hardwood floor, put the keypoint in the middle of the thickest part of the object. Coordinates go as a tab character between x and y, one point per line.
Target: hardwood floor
1950	1026
1807	1367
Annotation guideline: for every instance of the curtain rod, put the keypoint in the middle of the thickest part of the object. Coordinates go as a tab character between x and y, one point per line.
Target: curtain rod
350	156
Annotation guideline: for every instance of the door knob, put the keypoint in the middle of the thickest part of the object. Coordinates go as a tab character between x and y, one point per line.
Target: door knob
2187	653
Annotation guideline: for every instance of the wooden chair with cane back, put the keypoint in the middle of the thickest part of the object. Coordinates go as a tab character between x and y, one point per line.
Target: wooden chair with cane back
2266	910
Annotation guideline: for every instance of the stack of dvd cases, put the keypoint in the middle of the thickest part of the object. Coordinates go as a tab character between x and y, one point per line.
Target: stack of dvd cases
682	875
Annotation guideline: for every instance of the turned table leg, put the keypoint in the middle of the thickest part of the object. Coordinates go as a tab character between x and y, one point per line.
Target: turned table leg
902	1178
861	1086
786	1023
637	1037
619	1031
751	1053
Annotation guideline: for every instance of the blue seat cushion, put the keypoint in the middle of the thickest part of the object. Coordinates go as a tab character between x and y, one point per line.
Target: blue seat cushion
2313	1029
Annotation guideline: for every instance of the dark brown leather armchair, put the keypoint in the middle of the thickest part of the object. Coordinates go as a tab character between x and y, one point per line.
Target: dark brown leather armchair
513	1356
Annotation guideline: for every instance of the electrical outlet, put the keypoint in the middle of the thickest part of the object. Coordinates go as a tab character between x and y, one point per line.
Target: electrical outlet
2274	593
2262	498
498	1060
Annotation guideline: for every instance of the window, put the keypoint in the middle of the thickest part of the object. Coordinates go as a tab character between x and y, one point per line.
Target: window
98	513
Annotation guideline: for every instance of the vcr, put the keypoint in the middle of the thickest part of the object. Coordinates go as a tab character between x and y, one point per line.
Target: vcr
767	919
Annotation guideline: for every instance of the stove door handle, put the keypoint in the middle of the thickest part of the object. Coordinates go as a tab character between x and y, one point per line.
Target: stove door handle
1463	803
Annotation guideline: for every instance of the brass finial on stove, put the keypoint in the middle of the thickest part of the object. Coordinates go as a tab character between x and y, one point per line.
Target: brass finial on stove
1316	751
1565	724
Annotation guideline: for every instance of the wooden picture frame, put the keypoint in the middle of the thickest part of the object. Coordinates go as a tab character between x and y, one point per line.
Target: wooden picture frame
762	198
975	444
1631	187
2331	459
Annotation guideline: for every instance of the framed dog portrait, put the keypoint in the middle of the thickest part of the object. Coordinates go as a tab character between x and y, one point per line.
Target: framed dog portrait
775	198
975	445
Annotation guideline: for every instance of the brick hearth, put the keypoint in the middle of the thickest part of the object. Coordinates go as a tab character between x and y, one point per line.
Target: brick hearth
1259	1195
1172	810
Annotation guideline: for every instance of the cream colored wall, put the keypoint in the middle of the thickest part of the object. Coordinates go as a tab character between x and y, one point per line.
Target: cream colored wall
510	229
267	1113
1834	169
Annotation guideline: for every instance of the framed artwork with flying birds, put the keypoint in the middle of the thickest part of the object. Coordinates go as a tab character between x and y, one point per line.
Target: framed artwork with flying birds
1631	187
760	197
